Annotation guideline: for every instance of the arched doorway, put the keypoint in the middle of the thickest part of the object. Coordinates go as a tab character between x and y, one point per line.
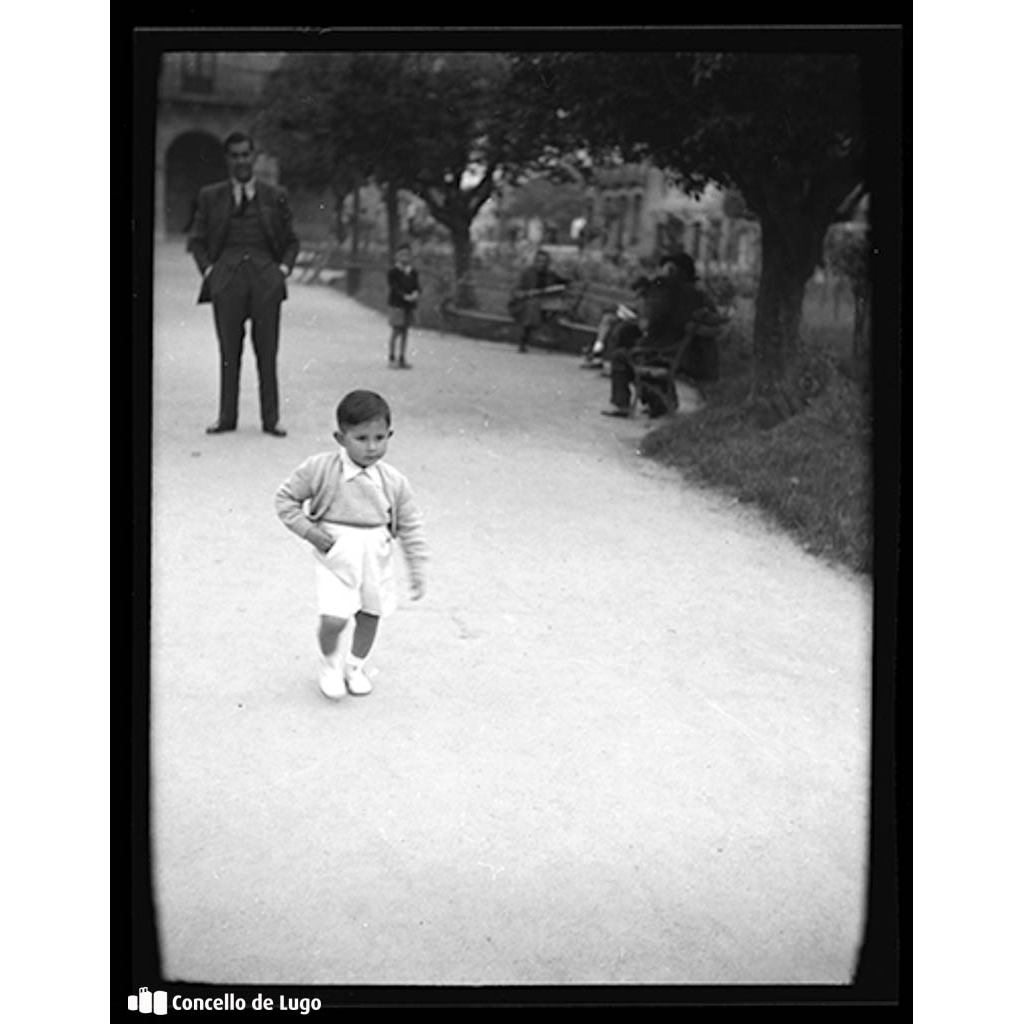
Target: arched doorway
193	160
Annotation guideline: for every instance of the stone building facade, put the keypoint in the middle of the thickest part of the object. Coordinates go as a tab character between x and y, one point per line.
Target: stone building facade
635	214
201	98
638	211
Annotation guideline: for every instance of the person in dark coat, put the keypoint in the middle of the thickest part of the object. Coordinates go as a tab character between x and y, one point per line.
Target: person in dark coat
672	298
245	247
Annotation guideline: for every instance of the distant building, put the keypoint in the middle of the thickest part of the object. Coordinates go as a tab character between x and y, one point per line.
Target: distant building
638	211
201	98
635	215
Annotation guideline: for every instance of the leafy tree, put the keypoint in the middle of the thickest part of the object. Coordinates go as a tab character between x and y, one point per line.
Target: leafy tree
466	140
314	148
437	124
785	130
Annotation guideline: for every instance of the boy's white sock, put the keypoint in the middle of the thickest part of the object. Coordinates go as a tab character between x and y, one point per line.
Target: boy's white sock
353	664
332	660
331	682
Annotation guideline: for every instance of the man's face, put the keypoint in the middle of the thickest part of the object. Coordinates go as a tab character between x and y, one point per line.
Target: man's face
366	442
240	160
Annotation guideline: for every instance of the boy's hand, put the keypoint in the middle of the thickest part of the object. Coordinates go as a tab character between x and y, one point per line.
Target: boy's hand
322	541
417	589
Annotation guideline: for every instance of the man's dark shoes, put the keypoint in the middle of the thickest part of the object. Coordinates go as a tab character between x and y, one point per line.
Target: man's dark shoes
615	411
219	428
275	431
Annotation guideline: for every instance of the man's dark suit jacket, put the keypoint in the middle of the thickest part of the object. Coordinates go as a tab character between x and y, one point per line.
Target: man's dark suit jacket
214	206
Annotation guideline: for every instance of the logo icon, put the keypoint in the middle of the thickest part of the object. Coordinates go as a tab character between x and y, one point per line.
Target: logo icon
148	1002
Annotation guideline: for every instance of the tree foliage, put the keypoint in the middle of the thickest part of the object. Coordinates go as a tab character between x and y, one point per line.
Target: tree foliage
326	117
751	121
438	124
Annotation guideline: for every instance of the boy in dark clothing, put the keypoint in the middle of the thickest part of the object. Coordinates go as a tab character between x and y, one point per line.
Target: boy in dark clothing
403	294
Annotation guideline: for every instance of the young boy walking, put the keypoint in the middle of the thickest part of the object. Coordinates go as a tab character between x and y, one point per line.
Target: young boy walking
403	294
351	506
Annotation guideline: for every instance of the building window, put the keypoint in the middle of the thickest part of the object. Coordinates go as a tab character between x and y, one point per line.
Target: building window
695	240
197	71
714	240
637	220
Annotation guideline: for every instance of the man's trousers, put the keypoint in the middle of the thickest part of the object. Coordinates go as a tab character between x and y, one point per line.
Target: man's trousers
247	296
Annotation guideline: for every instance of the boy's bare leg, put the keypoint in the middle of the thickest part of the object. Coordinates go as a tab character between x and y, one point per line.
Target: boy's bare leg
331	680
391	345
364	634
331	628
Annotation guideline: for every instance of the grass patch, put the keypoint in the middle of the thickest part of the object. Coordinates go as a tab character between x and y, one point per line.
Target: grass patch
811	474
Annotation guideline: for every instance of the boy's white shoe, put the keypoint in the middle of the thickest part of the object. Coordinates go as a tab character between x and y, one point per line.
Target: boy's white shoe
332	683
356	681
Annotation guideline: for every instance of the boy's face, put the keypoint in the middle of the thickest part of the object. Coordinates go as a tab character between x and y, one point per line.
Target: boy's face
365	442
403	257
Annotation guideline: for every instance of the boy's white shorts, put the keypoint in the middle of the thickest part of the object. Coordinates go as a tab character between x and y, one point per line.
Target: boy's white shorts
357	574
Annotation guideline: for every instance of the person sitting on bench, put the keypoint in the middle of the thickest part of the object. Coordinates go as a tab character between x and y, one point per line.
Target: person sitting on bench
526	306
672	298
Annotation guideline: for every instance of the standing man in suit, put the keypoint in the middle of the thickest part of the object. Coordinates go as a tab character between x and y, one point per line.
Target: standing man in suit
244	245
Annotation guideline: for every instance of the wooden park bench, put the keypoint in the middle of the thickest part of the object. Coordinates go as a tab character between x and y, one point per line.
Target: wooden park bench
319	261
557	330
310	261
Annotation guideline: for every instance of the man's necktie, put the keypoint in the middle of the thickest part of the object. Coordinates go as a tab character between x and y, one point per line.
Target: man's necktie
243	201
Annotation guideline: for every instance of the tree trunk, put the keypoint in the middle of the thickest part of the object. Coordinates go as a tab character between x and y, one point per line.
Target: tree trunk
391	210
462	251
789	248
355	223
339	215
862	329
454	210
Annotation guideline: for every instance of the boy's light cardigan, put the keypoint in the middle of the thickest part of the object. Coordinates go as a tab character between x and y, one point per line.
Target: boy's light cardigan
316	481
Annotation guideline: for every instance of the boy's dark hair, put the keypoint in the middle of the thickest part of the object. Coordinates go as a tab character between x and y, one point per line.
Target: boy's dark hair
403	245
360	407
236	137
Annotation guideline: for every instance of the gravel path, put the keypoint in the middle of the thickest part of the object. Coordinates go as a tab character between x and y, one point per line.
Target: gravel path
623	739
